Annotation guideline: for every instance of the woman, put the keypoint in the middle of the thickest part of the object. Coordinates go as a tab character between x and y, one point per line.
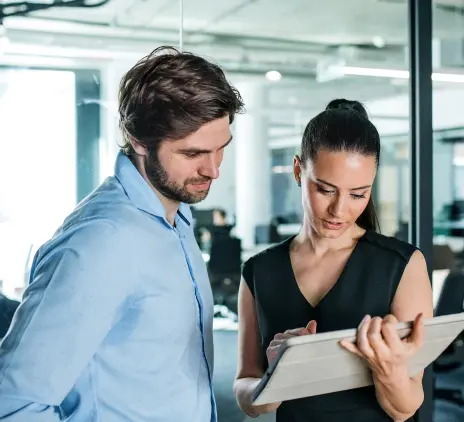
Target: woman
337	273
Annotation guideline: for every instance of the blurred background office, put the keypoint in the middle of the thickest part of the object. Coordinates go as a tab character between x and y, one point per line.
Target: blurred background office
60	65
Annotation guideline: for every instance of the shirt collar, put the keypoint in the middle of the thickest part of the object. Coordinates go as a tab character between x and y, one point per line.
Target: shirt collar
140	192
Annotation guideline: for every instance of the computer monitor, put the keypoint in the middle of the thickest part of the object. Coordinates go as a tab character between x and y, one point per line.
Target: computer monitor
202	218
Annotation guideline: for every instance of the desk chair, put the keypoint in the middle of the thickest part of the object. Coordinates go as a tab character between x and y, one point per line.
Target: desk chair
443	258
224	268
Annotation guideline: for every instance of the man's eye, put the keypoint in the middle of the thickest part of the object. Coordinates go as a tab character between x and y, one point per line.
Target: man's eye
191	154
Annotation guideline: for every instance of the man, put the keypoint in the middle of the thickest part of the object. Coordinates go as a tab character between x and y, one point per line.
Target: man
116	324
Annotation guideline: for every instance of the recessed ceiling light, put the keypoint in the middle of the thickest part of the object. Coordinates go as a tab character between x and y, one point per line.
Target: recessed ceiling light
378	41
273	75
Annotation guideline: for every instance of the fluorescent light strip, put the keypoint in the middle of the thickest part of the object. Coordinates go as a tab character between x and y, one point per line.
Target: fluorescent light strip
400	74
448	77
381	73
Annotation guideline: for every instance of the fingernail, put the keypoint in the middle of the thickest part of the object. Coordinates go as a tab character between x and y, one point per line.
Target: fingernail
365	319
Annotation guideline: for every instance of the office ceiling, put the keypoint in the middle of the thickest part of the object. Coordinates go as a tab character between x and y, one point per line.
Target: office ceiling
339	22
250	37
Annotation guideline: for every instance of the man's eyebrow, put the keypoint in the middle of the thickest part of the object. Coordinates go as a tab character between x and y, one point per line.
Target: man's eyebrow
228	142
204	151
333	186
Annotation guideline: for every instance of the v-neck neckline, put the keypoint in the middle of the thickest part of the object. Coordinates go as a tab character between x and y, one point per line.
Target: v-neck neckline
337	282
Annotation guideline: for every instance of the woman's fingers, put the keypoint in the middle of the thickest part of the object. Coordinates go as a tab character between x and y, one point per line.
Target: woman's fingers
311	327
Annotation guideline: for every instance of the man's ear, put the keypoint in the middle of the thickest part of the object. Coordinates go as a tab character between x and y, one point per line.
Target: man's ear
139	149
297	169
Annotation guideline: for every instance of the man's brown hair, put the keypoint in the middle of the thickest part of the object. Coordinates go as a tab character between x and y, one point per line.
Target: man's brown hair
170	94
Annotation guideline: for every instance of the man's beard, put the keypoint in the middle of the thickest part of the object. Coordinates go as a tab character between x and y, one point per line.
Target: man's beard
159	178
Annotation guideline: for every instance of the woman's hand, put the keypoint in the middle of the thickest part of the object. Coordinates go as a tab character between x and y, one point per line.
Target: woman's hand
380	345
273	349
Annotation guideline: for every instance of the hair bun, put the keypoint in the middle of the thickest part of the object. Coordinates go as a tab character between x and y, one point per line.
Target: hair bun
342	104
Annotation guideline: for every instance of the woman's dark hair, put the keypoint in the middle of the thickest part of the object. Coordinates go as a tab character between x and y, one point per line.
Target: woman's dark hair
344	126
170	94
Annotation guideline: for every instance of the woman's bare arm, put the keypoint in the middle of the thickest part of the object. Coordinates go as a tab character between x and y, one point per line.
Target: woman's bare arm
250	360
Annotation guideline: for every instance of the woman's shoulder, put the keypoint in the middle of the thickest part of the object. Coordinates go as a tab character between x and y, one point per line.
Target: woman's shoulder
262	265
272	252
269	257
389	245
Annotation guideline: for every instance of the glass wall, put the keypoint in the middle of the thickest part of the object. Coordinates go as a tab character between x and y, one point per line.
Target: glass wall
448	125
448	189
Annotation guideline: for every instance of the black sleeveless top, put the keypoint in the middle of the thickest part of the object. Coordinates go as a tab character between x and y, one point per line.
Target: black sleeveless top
367	285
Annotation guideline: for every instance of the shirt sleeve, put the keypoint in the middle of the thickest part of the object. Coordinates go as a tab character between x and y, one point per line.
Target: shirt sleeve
81	284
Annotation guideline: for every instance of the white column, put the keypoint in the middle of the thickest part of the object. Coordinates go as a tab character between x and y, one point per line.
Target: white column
253	169
110	137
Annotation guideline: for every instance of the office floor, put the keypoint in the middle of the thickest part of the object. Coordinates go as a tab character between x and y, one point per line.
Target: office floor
225	366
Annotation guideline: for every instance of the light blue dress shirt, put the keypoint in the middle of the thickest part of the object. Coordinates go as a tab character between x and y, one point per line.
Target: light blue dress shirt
116	325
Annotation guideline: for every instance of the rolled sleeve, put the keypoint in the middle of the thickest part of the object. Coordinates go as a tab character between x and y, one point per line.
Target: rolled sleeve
81	284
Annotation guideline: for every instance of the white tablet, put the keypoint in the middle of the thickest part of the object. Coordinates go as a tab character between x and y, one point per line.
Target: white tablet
317	364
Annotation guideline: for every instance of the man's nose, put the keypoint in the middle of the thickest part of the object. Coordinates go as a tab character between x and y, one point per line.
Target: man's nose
210	168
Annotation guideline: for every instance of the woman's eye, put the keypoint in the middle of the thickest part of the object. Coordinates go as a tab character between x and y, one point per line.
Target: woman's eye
324	191
354	196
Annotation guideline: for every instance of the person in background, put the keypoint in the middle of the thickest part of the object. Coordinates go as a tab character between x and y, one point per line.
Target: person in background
116	324
220	225
219	217
219	230
337	273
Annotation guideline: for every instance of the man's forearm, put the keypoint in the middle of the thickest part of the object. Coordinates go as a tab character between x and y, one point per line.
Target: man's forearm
399	396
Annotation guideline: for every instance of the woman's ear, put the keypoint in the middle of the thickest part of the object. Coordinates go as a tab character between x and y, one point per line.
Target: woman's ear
297	169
